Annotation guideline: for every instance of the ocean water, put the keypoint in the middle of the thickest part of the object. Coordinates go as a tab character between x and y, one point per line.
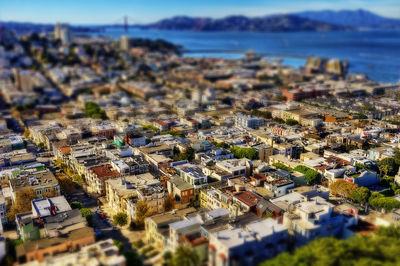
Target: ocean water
374	53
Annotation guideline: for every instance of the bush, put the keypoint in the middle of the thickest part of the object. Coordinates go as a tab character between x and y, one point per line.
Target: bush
119	245
86	213
76	205
282	166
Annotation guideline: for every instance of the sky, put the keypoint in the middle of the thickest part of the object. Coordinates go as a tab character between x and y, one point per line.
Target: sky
144	11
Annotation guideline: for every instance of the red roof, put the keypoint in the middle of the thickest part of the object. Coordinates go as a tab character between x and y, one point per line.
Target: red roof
104	171
248	198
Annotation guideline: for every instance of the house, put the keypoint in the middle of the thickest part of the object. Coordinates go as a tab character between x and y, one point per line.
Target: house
154	196
181	190
42	248
99	253
314	218
249	245
246	200
97	175
120	190
41	181
363	178
157	226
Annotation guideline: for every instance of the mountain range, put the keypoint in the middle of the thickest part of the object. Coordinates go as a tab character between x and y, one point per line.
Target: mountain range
355	18
242	23
325	20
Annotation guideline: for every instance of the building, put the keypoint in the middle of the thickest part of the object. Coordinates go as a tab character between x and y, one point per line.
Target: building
97	175
248	121
63	32
40	249
154	196
120	190
314	218
41	181
157	226
99	253
181	190
249	245
124	43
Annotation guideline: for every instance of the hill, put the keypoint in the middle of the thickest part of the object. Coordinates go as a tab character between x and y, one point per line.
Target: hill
351	18
272	23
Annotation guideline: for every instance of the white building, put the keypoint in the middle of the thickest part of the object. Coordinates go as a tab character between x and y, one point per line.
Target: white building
248	121
250	245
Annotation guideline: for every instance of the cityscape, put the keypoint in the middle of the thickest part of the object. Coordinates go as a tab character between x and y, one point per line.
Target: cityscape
204	139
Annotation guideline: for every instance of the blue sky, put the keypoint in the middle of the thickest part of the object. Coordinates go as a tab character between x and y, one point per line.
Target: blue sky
142	11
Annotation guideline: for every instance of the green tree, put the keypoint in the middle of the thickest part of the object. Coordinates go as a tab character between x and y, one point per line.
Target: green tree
312	176
184	256
132	258
120	219
239	152
86	213
94	111
378	201
360	195
291	122
76	205
376	249
388	166
282	166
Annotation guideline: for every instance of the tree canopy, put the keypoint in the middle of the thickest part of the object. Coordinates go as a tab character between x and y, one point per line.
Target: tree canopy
342	188
375	249
94	111
183	256
388	166
239	152
22	202
120	219
142	211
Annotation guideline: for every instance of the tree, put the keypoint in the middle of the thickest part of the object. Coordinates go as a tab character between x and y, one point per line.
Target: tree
342	188
239	152
282	166
360	195
94	111
49	194
86	213
388	166
291	122
22	202
375	249
66	183
120	219
378	201
142	211
312	176
184	256
169	203
132	258
76	205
